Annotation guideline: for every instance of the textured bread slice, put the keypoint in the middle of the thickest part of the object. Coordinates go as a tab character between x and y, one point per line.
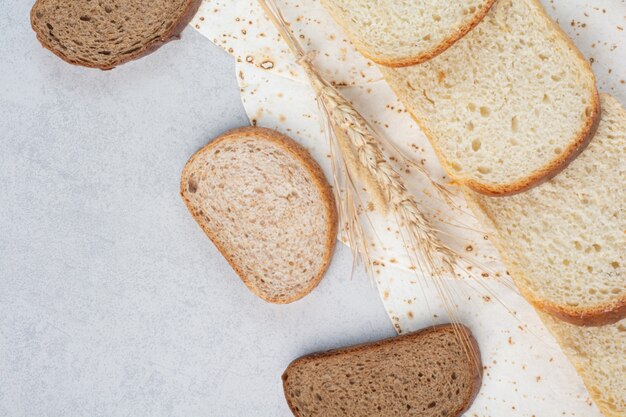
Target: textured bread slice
424	374
104	34
266	205
599	356
406	32
564	241
508	105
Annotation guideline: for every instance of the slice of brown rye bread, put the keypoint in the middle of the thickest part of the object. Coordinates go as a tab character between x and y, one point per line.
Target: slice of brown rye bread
106	33
425	374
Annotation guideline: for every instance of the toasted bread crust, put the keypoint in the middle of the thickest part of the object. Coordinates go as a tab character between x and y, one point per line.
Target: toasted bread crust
319	180
429	53
172	34
475	365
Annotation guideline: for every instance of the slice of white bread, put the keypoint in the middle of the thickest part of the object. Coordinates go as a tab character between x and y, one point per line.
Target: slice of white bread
508	105
426	374
564	242
398	33
599	356
266	205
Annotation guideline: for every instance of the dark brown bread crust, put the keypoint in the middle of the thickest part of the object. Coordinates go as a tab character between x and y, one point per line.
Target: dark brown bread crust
320	182
172	34
475	360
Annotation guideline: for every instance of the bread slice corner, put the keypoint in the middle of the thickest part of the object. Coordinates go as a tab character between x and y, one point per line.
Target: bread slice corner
428	373
399	34
267	207
107	34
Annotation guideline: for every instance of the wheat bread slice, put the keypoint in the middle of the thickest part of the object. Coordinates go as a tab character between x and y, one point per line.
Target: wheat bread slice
599	356
267	207
508	105
564	241
426	374
399	33
105	34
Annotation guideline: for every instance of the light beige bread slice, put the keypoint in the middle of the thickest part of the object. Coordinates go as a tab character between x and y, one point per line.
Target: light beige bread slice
564	242
266	205
599	356
426	374
398	33
104	34
508	105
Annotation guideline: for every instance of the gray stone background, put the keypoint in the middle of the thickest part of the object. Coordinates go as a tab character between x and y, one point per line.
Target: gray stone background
112	301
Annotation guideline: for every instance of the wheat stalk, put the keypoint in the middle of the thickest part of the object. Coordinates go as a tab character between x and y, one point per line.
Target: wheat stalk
438	257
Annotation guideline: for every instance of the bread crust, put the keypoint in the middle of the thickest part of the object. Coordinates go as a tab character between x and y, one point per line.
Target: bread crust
600	315
475	360
328	199
172	34
427	54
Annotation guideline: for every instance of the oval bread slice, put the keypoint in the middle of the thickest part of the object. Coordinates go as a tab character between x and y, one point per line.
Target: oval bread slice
397	33
104	34
507	106
564	241
427	374
266	205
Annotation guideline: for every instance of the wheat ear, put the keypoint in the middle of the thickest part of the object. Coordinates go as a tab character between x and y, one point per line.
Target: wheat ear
423	245
436	255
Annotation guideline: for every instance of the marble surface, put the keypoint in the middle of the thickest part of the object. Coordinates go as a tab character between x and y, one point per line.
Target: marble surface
112	301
